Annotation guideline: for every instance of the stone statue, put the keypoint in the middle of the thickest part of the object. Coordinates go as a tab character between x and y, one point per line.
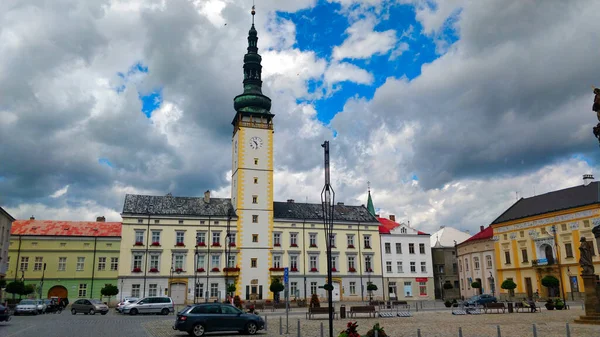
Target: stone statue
596	105
585	259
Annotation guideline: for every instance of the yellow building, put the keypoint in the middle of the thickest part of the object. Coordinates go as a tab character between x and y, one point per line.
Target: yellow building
540	236
73	258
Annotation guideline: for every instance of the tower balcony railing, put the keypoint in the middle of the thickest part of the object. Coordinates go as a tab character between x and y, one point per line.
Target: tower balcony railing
257	125
542	262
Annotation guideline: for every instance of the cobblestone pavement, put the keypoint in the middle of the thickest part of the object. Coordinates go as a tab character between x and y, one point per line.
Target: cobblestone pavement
430	324
67	325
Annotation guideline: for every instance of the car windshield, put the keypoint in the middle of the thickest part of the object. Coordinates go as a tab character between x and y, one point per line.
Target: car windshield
96	302
27	302
184	309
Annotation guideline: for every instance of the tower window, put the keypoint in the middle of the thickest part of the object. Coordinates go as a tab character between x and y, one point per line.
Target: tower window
254	237
253	263
255	161
255	199
256	180
255	219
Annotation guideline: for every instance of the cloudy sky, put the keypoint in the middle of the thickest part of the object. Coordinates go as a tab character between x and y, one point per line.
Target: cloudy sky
449	108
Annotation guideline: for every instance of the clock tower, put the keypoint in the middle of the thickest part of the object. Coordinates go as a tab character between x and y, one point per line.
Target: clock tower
252	177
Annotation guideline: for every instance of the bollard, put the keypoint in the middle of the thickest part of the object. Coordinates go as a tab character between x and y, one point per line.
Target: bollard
322	329
498	328
265	322
299	328
418	332
280	327
568	331
460	332
534	331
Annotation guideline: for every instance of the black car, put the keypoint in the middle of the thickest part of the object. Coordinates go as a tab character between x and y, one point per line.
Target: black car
4	314
208	317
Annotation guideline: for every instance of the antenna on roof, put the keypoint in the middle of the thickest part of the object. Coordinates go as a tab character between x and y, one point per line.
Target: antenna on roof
517	195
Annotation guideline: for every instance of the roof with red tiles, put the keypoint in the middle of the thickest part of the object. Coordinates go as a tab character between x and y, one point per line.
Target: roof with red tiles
66	228
484	234
386	226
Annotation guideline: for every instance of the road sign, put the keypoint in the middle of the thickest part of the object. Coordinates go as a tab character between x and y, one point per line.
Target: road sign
285	275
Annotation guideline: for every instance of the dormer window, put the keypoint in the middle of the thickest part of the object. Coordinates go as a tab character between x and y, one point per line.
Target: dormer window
403	230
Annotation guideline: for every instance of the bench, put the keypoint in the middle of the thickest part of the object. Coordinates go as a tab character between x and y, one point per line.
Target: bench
319	311
496	306
521	307
364	309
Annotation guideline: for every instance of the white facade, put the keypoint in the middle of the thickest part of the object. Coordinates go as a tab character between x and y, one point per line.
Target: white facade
5	225
477	263
407	264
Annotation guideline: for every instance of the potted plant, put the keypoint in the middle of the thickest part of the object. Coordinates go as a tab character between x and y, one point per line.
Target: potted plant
448	304
559	304
550	282
476	285
379	329
200	270
276	287
509	285
549	304
350	330
314	301
232	244
294	269
313	246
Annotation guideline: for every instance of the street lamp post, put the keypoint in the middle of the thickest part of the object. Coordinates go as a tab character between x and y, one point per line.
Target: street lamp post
562	284
42	281
327	204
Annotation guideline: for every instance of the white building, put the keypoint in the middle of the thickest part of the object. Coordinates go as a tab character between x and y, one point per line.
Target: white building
406	259
477	263
5	224
445	265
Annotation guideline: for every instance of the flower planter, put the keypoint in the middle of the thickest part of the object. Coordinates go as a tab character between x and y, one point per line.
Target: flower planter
180	244
154	270
215	270
200	270
275	269
232	269
138	243
313	270
232	244
549	306
293	245
352	270
201	244
179	270
351	246
137	270
313	246
277	245
216	244
294	270
156	244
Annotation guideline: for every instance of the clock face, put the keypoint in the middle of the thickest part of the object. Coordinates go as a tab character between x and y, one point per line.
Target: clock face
256	142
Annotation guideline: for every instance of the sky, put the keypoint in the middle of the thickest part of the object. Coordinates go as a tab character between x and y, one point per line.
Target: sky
450	110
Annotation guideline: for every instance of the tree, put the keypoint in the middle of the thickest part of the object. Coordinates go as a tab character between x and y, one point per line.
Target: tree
448	285
509	285
2	283
276	287
15	288
28	289
109	291
550	281
231	289
314	301
475	285
371	287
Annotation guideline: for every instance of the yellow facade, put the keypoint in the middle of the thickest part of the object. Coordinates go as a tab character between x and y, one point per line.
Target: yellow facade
543	245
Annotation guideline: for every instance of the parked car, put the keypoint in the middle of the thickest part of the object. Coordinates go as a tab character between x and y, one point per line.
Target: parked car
482	299
41	306
199	319
150	305
125	301
52	306
26	307
4	314
91	307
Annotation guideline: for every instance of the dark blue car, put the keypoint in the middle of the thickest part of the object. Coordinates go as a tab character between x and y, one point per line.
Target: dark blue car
482	300
199	319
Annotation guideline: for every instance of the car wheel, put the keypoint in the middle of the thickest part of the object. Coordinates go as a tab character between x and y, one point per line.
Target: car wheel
35	313
133	312
165	311
251	328
92	312
197	330
73	311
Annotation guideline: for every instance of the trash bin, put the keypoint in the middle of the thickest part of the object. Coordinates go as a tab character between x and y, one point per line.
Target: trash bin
342	311
510	307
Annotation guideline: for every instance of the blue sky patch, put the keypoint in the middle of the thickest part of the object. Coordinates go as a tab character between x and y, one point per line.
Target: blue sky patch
151	102
104	161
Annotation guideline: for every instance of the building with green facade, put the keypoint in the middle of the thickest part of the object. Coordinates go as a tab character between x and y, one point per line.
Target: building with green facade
72	259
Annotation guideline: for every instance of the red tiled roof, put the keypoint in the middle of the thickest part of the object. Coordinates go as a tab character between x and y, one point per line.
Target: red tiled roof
485	234
387	225
65	228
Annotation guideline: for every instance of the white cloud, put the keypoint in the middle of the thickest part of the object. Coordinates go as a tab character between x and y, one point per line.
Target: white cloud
400	49
363	42
344	71
60	193
289	70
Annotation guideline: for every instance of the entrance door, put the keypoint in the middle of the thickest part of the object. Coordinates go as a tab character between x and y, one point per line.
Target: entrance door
58	291
335	296
574	284
178	293
529	287
392	291
480	290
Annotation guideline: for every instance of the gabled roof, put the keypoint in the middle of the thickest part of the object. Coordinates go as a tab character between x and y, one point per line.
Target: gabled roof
567	198
386	226
170	205
446	236
66	228
6	213
485	234
301	211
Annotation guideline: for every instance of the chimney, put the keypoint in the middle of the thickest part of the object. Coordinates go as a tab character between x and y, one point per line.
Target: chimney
100	219
207	197
587	179
290	201
32	218
481	228
393	217
340	204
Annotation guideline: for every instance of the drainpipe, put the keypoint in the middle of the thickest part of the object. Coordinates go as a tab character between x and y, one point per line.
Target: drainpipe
208	263
146	256
360	271
17	262
94	268
305	261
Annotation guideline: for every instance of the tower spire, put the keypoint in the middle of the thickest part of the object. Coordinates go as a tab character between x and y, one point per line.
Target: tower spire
252	100
370	206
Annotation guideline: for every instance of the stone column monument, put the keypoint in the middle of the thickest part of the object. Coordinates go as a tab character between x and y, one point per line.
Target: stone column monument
592	303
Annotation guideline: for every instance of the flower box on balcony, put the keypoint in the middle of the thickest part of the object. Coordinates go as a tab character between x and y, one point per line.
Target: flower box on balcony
313	270
156	243
201	244
350	246
180	244
216	244
295	270
275	269
313	246
352	270
333	269
154	270
200	270
215	269
370	270
138	243
232	244
137	270
231	269
179	270
367	247
294	245
277	245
